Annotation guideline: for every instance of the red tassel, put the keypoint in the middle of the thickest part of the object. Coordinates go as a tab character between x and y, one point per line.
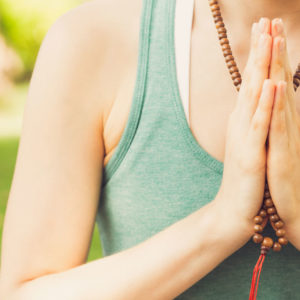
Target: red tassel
256	275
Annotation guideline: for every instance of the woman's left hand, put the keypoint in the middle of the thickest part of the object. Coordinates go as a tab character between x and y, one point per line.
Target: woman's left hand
283	147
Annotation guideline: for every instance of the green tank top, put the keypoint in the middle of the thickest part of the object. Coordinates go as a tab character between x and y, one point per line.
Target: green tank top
160	174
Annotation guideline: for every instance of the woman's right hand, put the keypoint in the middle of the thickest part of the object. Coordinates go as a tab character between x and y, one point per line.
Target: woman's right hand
242	187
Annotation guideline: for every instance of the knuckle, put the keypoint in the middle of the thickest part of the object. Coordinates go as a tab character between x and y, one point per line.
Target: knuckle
252	163
257	124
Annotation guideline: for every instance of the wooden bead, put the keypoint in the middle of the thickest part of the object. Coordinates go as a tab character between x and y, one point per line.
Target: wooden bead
263	213
235	75
229	58
218	19
225	47
214	7
271	210
280	232
268	202
219	24
227	52
296	80
222	35
258	219
237	81
279	224
216	13
274	218
297	75
224	41
276	247
257	238
221	30
267	194
267	242
283	241
233	69
212	2
258	228
231	64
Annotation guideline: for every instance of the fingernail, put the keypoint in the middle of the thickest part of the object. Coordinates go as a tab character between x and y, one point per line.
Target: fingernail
279	25
262	24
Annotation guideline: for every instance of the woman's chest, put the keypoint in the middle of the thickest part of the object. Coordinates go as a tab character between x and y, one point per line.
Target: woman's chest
212	95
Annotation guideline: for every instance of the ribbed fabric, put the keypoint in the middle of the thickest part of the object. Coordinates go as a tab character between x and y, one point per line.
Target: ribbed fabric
159	174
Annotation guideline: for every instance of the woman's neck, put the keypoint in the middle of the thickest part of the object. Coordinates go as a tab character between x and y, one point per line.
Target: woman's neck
248	11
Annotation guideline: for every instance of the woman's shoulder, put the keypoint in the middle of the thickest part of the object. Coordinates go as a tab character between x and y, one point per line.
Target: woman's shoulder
97	24
91	48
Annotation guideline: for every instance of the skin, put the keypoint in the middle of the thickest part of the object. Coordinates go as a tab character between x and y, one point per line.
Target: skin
70	132
284	138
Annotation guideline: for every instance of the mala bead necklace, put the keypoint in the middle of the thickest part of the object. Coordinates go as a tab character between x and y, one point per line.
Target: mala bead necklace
268	211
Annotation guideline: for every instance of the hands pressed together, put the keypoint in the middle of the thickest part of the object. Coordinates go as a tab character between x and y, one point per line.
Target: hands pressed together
263	136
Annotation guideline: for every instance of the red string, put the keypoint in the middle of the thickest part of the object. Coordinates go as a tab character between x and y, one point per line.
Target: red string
255	277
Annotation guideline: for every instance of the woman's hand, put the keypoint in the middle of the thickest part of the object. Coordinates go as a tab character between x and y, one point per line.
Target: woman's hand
283	155
242	187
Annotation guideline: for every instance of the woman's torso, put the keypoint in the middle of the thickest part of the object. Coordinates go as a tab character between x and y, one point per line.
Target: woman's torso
208	70
160	172
209	79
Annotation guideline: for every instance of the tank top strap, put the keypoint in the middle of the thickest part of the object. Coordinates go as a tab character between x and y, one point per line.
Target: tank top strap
157	120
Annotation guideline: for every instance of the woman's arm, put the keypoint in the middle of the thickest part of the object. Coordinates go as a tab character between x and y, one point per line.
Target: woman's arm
54	195
161	267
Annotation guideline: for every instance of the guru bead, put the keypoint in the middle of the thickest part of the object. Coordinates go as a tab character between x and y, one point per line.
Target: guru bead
267	242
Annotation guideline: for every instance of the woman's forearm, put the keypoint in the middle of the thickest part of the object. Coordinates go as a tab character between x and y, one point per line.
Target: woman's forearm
162	267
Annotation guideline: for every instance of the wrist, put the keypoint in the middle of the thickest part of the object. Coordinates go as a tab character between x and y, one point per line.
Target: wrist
241	229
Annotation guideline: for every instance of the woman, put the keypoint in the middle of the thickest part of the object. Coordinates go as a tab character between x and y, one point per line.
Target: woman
175	221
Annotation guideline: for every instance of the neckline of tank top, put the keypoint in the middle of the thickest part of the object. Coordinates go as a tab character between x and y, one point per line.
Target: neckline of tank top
183	79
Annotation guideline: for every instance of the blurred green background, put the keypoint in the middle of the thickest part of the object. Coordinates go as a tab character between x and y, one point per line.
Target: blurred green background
23	25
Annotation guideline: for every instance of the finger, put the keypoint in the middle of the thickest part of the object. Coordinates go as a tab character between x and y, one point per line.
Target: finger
291	107
278	127
260	123
280	69
256	69
279	31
